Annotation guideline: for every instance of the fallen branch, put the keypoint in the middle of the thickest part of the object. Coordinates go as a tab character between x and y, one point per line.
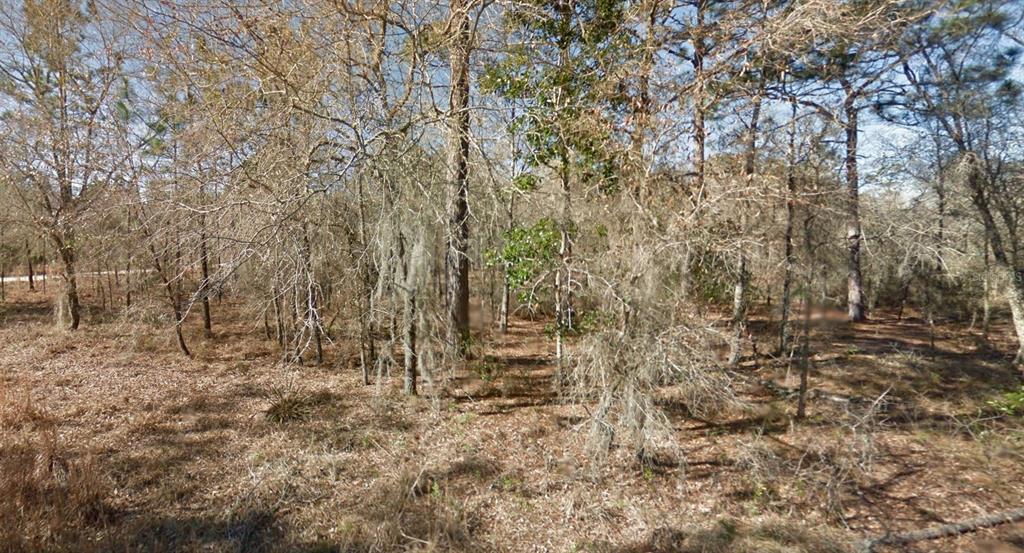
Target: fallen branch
952	529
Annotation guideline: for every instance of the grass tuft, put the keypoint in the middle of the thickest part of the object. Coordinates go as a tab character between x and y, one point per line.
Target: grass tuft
289	404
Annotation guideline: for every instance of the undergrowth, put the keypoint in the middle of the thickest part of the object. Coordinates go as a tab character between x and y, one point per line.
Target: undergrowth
51	497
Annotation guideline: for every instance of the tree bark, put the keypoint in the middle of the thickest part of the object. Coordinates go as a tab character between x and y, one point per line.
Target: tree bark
1005	258
408	319
506	287
563	275
31	272
856	308
204	288
69	275
739	312
940	193
458	167
699	137
1015	297
790	258
175	298
805	347
367	348
699	130
279	318
739	306
128	284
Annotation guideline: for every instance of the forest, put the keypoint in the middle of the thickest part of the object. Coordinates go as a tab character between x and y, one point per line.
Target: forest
611	276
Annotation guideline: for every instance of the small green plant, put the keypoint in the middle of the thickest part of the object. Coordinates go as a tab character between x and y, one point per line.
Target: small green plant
1009	403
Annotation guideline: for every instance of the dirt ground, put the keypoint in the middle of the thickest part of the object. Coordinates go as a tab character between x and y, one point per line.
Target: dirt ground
114	441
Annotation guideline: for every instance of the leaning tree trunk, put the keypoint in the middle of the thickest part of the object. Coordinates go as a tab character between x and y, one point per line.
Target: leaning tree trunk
856	309
458	162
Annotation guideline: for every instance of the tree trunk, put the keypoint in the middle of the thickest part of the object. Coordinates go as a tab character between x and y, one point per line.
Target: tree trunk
408	318
279	319
458	168
367	348
739	305
31	272
699	138
204	288
805	347
128	284
563	275
699	130
506	288
110	284
940	193
409	343
1005	258
805	356
68	305
986	302
174	296
1015	297
739	313
790	258
503	310
856	309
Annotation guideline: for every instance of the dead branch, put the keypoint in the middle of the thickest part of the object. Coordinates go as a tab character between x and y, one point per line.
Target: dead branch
944	530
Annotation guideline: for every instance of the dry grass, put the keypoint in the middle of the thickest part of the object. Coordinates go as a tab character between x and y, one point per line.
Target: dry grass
51	497
767	535
109	447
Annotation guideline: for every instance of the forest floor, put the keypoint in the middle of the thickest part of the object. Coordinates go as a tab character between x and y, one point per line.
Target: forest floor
112	441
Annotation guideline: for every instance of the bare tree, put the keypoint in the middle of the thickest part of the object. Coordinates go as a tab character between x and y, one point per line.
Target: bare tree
62	65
